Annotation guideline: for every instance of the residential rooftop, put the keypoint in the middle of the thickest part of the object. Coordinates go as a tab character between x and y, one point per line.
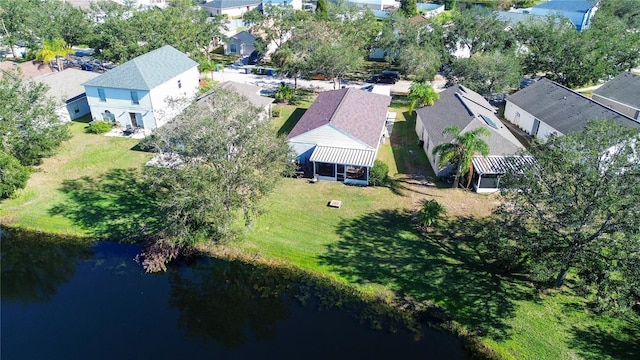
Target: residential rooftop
562	108
624	88
146	71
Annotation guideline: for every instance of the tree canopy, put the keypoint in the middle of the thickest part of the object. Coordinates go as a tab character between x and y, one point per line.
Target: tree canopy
580	207
29	126
486	73
124	36
225	159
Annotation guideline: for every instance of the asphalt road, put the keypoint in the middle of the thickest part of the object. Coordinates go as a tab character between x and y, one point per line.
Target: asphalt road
271	83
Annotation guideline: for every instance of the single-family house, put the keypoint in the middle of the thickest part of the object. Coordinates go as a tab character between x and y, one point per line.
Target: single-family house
240	44
230	8
375	4
295	4
546	107
250	92
430	10
67	90
580	12
337	138
467	110
145	92
621	93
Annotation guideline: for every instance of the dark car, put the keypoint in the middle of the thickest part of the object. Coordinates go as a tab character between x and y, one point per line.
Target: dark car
255	57
387	77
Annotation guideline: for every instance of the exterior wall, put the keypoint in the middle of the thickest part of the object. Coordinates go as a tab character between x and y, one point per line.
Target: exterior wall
545	130
428	146
520	118
526	122
295	4
628	110
242	49
153	110
119	104
77	108
168	99
230	12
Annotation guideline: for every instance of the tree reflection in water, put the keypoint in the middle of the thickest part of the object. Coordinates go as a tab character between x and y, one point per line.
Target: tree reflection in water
228	302
34	264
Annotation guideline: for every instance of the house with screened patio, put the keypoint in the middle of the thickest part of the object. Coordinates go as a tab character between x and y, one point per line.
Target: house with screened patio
145	92
338	137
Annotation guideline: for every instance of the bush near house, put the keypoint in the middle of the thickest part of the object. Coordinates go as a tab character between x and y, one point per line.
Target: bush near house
99	127
379	174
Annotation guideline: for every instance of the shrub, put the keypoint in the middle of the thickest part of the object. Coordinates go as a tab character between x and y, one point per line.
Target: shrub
13	176
379	174
99	127
430	212
275	112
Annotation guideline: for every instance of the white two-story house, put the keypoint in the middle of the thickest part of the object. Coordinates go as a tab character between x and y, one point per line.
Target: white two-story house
145	92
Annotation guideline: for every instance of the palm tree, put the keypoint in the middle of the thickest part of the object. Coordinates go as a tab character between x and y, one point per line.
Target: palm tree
422	94
284	93
461	150
54	49
430	212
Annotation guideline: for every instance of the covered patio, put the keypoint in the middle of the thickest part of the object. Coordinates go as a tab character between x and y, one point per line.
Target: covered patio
487	171
351	166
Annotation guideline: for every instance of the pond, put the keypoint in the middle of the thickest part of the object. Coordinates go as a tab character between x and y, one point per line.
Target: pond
64	299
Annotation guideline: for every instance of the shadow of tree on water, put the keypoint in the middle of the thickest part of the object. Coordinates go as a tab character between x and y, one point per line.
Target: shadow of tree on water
115	206
448	267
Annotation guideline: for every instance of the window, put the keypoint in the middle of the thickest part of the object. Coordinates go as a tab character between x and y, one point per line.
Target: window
179	84
108	116
101	94
134	98
233	48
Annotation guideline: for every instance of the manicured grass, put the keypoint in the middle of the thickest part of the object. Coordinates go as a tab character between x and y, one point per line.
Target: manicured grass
371	241
85	155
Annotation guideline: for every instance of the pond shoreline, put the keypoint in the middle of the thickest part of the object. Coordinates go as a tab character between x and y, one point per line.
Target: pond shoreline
396	308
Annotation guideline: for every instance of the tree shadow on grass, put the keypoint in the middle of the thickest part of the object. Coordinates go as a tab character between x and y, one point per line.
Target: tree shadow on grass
291	121
448	267
618	340
114	206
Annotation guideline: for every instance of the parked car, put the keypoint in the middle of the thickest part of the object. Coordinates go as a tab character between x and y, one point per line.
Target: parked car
255	57
319	76
387	77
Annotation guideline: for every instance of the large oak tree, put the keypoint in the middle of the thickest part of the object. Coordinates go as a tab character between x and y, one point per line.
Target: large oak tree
222	158
580	205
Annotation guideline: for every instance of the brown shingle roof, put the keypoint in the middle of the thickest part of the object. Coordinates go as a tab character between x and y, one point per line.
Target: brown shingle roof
358	113
28	69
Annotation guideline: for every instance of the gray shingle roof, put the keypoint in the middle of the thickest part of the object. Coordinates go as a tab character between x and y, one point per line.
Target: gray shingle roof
624	88
226	4
146	71
562	108
67	84
461	107
244	37
358	113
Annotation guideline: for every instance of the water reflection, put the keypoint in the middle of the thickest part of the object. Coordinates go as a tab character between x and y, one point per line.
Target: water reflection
56	291
34	265
227	302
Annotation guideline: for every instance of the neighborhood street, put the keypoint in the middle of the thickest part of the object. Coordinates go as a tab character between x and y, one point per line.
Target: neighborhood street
271	83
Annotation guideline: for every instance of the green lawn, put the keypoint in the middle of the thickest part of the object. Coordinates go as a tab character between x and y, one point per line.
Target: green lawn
85	156
371	241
